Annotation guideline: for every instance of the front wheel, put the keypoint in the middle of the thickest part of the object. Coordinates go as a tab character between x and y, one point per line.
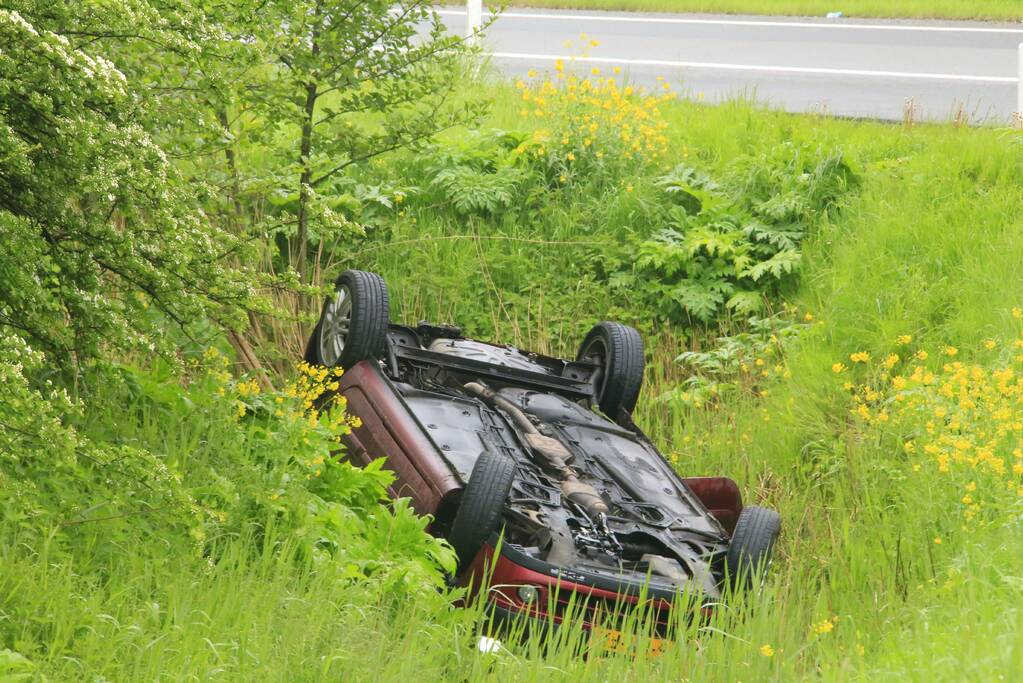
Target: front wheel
749	553
482	505
353	323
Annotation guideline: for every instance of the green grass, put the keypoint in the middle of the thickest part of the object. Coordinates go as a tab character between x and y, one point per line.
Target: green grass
930	247
1003	10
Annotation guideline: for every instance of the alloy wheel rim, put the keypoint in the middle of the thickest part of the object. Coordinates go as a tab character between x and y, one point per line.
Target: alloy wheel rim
334	328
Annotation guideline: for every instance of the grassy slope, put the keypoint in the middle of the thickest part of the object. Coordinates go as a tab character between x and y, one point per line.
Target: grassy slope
931	249
917	9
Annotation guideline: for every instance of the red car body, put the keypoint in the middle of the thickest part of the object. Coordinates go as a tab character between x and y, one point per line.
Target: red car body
415	452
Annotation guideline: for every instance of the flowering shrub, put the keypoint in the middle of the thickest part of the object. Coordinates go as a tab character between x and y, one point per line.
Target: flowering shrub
295	474
591	124
959	424
108	234
52	474
579	129
156	494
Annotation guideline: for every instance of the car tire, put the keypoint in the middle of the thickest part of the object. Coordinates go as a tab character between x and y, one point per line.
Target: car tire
618	349
480	510
749	554
353	323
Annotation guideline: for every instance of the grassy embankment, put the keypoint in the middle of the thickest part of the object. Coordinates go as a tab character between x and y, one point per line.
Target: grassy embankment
999	10
877	543
883	573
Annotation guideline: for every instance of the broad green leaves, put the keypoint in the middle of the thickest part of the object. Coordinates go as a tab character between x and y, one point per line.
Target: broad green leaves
777	267
729	244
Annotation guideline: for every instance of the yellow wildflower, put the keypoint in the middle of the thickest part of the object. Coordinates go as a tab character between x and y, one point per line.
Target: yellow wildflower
823	627
766	650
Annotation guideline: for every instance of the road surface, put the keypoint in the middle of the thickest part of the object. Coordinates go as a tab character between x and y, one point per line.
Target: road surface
861	68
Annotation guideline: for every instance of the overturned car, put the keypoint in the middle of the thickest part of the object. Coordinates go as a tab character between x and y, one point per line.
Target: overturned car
531	466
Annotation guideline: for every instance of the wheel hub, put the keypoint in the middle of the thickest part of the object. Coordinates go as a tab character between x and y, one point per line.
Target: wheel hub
337	320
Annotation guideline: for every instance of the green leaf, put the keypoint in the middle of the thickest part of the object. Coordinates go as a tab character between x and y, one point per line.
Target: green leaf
746	303
779	265
711	242
697	299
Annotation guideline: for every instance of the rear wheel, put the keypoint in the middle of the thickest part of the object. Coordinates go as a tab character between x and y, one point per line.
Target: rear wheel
749	553
353	323
618	350
483	499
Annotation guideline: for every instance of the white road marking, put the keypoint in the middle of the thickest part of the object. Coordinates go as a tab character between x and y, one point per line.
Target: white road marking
741	22
758	67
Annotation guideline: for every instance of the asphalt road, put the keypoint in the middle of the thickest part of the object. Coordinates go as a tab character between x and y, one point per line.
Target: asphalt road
862	68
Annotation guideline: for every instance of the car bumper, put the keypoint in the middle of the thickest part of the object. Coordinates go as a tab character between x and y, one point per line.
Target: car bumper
498	578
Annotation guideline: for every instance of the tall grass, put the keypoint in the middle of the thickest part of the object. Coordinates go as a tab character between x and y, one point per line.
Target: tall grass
859	589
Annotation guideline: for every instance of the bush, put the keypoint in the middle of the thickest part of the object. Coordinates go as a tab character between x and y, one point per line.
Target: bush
188	473
591	127
727	247
479	174
96	232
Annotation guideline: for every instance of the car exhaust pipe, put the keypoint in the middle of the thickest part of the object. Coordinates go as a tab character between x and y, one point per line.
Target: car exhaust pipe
554	454
584	495
498	401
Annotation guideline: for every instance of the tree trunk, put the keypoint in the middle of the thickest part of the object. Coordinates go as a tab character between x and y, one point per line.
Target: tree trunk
305	155
232	169
304	190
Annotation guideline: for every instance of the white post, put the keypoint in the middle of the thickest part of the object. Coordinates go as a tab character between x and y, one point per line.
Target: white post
474	19
1019	88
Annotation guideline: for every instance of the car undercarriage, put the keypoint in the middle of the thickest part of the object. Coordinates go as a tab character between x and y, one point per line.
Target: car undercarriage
536	455
588	494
